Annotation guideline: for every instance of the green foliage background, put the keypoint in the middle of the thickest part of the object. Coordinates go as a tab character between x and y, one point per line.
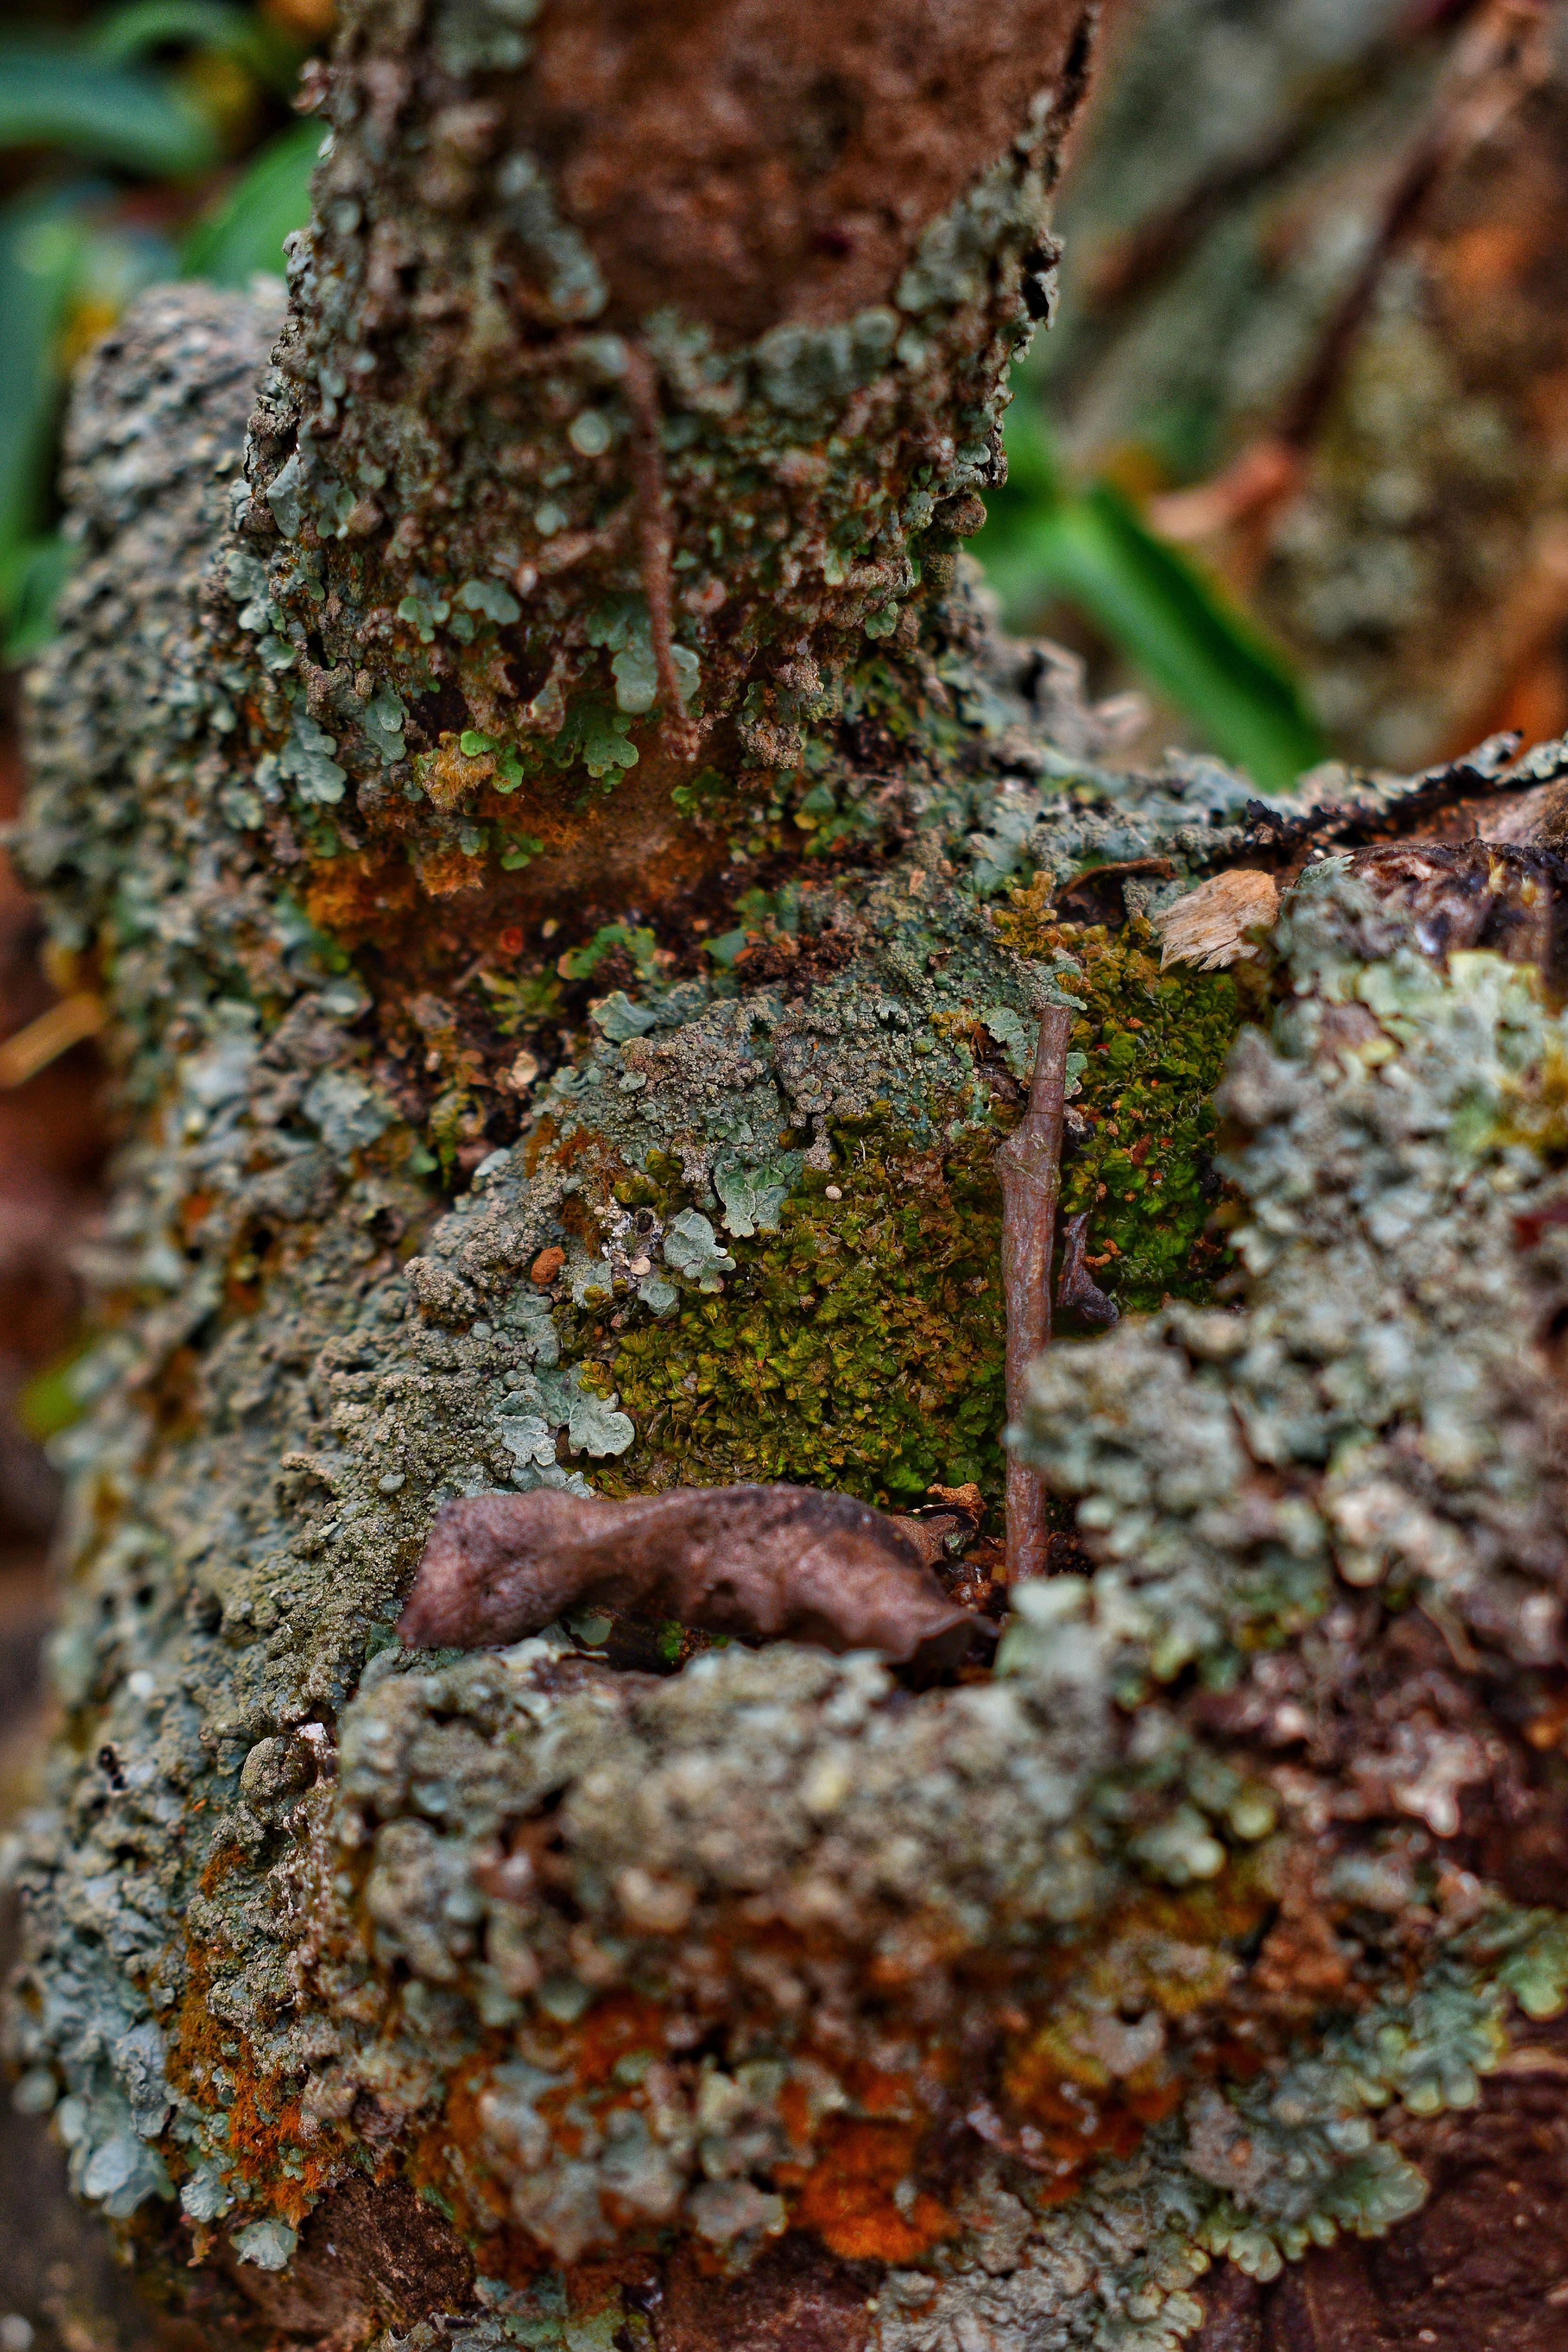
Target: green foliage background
155	141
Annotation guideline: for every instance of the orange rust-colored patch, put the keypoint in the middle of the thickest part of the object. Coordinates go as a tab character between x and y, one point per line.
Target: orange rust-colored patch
924	1944
215	1869
538	1140
443	872
574	1213
879	2094
1491	254
193	1212
172	1395
451	775
612	2029
1071	2130
594	2285
265	2118
354	898
848	2197
794	2109
442	2159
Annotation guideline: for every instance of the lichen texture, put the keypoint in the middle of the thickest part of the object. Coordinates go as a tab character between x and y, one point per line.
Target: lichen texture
578	878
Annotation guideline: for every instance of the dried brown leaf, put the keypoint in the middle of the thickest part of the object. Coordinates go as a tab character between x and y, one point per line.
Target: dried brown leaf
762	1563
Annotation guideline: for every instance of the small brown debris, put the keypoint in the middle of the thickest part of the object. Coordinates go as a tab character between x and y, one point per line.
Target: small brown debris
966	1499
930	1534
1209	926
1100	885
1030	1164
1078	1293
760	1563
546	1267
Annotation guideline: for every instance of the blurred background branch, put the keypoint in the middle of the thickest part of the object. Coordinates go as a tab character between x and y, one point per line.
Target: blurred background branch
1313	337
137	143
149	141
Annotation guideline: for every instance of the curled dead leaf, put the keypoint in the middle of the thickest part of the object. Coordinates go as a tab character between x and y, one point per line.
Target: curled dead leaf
760	1563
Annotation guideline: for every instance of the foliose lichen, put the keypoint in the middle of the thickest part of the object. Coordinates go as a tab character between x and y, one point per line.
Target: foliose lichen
1033	1992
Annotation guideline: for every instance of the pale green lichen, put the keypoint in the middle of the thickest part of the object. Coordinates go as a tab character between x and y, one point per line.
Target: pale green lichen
1379	1412
310	1347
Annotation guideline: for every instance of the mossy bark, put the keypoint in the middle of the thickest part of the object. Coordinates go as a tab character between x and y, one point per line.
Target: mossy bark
506	1109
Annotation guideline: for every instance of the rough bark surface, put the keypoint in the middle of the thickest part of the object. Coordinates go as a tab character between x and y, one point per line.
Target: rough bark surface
577	878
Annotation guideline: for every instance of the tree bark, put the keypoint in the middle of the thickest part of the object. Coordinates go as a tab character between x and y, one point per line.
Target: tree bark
573	871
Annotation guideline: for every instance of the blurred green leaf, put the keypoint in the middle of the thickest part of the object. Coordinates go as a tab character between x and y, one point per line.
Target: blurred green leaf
31	578
1187	638
246	230
52	1399
54	96
62	275
1091	549
144	26
44	241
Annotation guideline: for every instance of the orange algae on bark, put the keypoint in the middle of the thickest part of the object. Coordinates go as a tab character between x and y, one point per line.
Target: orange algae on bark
850	2195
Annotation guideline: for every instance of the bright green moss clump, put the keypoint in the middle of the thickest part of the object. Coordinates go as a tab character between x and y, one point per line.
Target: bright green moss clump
859	1347
1155	1048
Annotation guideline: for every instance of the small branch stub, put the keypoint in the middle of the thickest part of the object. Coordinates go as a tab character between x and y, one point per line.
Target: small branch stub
54	1033
1078	1293
1030	1163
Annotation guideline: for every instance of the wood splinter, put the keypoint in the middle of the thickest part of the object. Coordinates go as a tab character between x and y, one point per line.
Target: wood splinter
1030	1163
758	1563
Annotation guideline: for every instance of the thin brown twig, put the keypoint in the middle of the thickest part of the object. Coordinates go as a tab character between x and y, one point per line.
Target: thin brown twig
640	381
1030	1163
54	1033
1129	264
1495	64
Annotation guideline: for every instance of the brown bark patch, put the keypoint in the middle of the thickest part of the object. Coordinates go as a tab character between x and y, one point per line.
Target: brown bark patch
370	2255
795	2298
1483	2267
784	162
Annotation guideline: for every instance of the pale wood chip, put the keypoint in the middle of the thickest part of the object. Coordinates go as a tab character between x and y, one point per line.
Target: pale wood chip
1209	926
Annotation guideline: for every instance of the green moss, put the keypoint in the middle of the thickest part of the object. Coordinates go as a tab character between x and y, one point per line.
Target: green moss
858	1347
1155	1048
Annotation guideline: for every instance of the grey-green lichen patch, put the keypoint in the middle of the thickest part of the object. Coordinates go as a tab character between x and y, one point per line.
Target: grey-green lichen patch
1383	1413
429	529
744	1809
248	1956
